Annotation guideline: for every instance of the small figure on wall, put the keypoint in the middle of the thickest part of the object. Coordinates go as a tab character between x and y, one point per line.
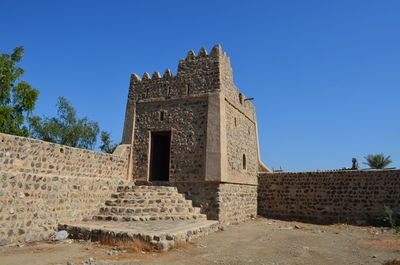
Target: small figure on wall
355	164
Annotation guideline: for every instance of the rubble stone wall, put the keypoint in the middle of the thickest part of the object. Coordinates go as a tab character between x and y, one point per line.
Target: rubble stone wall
241	130
43	184
203	195
32	205
227	203
27	155
187	122
351	196
238	202
242	149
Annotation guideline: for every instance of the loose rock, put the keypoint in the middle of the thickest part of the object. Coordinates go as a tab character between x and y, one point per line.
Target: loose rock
60	235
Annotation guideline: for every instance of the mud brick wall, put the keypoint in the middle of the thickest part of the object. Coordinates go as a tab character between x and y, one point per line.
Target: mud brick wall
27	155
328	197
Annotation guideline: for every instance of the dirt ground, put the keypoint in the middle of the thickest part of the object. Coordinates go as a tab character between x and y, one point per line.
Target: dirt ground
260	241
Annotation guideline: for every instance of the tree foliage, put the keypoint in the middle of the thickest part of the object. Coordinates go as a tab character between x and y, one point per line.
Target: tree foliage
378	161
17	99
65	129
107	146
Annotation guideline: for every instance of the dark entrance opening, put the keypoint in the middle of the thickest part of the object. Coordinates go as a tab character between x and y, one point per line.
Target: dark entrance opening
159	156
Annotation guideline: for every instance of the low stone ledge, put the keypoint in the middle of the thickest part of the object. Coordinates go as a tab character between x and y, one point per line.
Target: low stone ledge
160	235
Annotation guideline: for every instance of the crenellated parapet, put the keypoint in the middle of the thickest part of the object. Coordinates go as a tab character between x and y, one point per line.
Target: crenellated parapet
197	74
156	86
203	64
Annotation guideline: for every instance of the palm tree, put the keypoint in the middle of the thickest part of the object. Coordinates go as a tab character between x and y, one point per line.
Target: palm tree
378	161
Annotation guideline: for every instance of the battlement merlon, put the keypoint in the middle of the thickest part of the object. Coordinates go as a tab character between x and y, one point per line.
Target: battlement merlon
191	65
197	74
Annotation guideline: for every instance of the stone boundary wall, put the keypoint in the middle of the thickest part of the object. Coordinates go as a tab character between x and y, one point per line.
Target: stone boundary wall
32	205
27	155
351	196
44	183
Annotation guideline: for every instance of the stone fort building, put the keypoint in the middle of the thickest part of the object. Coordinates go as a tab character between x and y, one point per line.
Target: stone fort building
189	161
195	131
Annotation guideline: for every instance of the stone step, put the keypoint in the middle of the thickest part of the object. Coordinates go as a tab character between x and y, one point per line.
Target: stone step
148	202
144	218
148	211
161	235
147	195
146	188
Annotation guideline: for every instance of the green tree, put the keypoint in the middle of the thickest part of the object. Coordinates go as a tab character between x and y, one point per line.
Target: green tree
65	129
378	161
107	146
17	99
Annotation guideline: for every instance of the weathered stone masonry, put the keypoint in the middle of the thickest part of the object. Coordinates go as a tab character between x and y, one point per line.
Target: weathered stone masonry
214	156
188	144
209	131
43	184
228	203
330	196
27	155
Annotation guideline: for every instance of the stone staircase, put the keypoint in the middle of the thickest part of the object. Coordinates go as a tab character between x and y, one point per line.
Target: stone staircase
148	203
159	215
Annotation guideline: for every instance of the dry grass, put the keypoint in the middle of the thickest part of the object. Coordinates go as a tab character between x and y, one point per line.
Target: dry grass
182	245
392	262
127	243
392	244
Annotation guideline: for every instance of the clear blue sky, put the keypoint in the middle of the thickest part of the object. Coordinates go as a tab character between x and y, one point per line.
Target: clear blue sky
325	74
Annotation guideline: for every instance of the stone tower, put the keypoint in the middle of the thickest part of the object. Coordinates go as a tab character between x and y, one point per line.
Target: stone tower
195	131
